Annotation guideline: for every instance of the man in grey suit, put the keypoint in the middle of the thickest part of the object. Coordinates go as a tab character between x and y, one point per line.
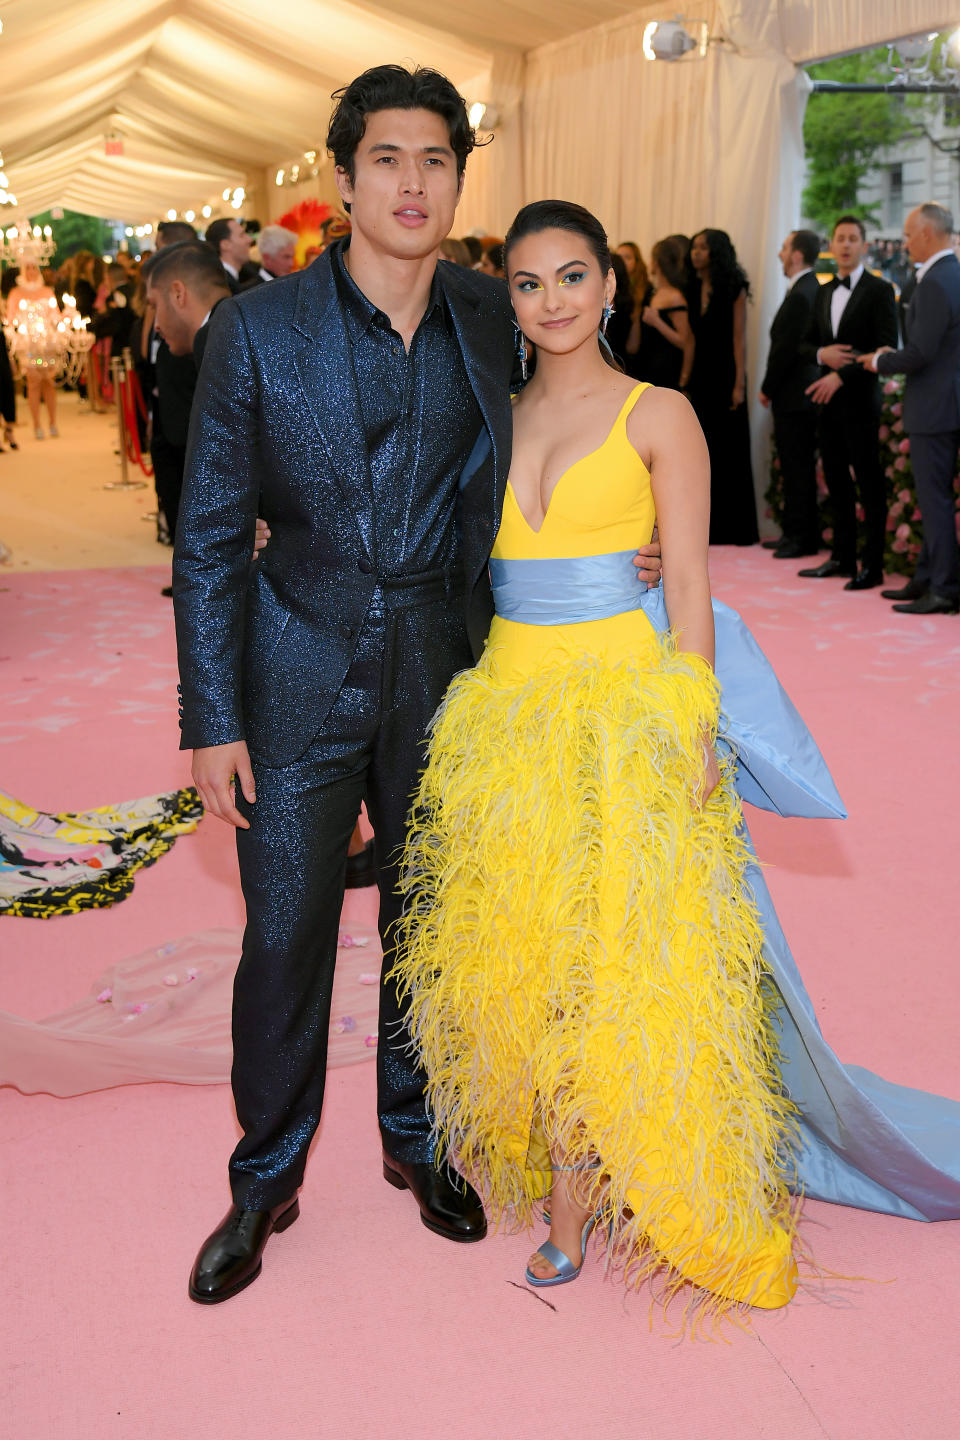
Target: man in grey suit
930	359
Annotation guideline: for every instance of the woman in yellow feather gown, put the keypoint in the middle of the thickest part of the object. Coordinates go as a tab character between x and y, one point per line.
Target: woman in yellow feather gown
582	956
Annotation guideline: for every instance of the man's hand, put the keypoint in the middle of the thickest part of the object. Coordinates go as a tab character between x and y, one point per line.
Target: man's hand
261	537
822	391
834	356
869	362
647	561
764	400
214	770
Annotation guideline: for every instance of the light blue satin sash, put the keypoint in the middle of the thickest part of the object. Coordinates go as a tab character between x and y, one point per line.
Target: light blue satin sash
862	1140
566	592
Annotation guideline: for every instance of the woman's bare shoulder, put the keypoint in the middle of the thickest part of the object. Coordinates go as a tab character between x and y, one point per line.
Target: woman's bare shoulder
659	413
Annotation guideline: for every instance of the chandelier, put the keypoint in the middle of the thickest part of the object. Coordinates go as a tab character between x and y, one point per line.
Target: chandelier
45	341
20	245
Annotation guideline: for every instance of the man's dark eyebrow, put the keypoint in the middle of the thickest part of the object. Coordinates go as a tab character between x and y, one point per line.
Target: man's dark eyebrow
424	149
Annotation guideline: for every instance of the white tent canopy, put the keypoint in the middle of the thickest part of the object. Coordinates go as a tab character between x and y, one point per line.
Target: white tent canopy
210	93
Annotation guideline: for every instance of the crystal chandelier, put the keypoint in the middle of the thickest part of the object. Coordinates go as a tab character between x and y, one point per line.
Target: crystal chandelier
45	341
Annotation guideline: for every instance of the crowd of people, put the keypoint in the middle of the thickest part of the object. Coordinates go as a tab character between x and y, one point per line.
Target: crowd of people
678	320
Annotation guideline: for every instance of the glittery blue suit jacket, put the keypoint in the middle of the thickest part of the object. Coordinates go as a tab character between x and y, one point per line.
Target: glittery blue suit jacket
276	430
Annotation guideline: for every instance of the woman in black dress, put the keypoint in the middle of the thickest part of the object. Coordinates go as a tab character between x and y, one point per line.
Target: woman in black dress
664	354
718	314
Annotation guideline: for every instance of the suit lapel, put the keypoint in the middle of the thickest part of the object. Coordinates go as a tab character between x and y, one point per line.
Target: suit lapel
478	340
324	367
857	297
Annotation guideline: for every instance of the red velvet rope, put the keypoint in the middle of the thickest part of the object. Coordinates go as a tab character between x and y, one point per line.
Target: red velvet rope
128	394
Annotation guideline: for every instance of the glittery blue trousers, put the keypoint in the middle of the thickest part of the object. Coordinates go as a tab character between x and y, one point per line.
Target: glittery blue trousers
292	863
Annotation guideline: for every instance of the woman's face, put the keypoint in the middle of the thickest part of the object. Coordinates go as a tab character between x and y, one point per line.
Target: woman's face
31	274
487	265
558	290
699	253
628	258
654	273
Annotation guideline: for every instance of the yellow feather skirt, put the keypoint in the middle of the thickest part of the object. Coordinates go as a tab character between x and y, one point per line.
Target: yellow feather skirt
583	961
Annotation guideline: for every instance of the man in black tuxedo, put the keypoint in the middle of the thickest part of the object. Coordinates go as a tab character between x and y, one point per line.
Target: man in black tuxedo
342	404
930	359
784	389
184	282
231	244
856	312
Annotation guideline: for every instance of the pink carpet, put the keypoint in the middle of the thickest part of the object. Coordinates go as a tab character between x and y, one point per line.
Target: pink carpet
363	1324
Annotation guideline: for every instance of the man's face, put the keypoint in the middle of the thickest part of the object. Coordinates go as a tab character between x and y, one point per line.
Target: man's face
920	238
236	248
847	246
405	189
174	316
788	256
281	262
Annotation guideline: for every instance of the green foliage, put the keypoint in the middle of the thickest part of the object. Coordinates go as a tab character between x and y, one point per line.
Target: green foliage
75	232
843	134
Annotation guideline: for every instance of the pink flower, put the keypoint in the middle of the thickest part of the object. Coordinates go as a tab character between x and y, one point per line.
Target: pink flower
369	979
371	1042
903	532
916	515
105	996
890	388
192	973
828	535
898	427
896	410
889	472
904	447
895	511
171	980
900	463
899	546
905	495
884	432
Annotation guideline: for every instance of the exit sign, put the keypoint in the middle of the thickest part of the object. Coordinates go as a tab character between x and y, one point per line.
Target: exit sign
113	146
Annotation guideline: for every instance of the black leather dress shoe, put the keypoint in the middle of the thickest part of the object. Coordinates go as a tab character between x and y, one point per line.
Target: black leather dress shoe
231	1258
828	569
911	591
361	868
930	604
794	550
448	1205
866	580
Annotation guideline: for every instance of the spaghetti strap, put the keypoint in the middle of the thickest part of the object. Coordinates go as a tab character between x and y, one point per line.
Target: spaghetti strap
628	404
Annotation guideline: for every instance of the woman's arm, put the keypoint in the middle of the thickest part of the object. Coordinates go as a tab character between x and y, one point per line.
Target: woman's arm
679	332
663	429
689	350
739	349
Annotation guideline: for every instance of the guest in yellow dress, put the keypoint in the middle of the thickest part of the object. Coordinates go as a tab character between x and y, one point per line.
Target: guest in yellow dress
583	956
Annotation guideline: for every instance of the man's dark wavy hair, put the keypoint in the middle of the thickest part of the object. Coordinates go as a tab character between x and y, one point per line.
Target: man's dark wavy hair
394	87
727	275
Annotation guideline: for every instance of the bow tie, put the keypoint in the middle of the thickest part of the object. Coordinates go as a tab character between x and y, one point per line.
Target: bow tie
843	280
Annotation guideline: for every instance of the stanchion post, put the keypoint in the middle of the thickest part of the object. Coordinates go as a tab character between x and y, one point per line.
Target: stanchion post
118	375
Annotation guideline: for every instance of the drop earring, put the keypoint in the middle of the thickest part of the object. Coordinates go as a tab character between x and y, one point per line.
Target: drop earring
521	349
607	312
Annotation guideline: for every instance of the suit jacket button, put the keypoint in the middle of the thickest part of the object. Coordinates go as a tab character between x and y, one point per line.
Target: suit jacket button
364	566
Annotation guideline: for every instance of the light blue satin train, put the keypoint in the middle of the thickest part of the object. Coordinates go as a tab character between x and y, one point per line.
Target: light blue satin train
862	1141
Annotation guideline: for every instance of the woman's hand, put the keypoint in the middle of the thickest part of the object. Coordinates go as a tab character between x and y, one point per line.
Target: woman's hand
260	538
650	315
739	395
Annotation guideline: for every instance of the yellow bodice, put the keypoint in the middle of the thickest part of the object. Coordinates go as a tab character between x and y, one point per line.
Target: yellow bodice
601	505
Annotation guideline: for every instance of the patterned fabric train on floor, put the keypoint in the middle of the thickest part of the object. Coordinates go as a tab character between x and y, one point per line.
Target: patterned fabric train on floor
59	864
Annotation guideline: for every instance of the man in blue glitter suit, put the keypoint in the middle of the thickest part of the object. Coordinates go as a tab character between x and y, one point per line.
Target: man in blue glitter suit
343	407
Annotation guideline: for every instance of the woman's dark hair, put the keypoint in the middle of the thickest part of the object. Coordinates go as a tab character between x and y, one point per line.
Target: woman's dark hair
394	87
670	257
560	215
727	275
564	215
474	248
624	294
495	255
